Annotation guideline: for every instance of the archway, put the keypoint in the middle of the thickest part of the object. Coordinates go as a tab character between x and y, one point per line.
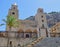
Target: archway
27	35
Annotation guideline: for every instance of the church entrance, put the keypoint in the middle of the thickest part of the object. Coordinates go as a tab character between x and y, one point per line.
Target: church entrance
27	35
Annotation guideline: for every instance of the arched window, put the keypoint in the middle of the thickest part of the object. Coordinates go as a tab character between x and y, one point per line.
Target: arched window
42	20
42	16
13	13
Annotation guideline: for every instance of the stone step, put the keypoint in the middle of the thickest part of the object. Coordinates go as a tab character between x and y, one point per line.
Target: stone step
48	42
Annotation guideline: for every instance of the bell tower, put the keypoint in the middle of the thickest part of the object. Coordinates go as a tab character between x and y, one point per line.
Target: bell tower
13	11
40	18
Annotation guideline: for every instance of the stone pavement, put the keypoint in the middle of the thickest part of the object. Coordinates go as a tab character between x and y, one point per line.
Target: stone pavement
49	42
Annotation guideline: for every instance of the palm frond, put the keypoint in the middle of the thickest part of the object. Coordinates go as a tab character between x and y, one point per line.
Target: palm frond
4	20
2	24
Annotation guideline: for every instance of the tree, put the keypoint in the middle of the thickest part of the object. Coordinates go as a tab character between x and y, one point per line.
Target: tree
11	21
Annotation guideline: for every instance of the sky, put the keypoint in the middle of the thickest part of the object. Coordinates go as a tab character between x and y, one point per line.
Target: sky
27	8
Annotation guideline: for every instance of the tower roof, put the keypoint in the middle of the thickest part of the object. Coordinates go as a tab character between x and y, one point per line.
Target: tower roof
40	10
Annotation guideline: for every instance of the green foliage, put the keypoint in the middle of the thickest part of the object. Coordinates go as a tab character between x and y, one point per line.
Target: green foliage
11	21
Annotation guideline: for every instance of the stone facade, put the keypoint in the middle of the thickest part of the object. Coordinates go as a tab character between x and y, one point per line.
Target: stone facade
41	21
27	31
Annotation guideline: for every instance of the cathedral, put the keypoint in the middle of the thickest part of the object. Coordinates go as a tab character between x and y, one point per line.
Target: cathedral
28	27
27	31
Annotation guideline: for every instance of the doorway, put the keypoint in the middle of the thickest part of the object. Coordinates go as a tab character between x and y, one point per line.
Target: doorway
27	35
10	43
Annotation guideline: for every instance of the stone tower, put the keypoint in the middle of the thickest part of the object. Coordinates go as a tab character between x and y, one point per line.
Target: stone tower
40	18
13	11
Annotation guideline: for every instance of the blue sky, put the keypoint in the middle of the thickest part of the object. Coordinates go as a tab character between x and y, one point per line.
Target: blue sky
27	8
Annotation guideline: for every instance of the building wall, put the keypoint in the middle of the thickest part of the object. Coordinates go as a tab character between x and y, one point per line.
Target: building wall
40	18
13	11
3	41
15	39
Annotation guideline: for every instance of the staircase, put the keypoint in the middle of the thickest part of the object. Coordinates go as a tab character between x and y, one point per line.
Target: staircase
35	42
48	42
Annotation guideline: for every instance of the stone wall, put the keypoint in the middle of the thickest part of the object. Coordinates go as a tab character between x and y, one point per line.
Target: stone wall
3	41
